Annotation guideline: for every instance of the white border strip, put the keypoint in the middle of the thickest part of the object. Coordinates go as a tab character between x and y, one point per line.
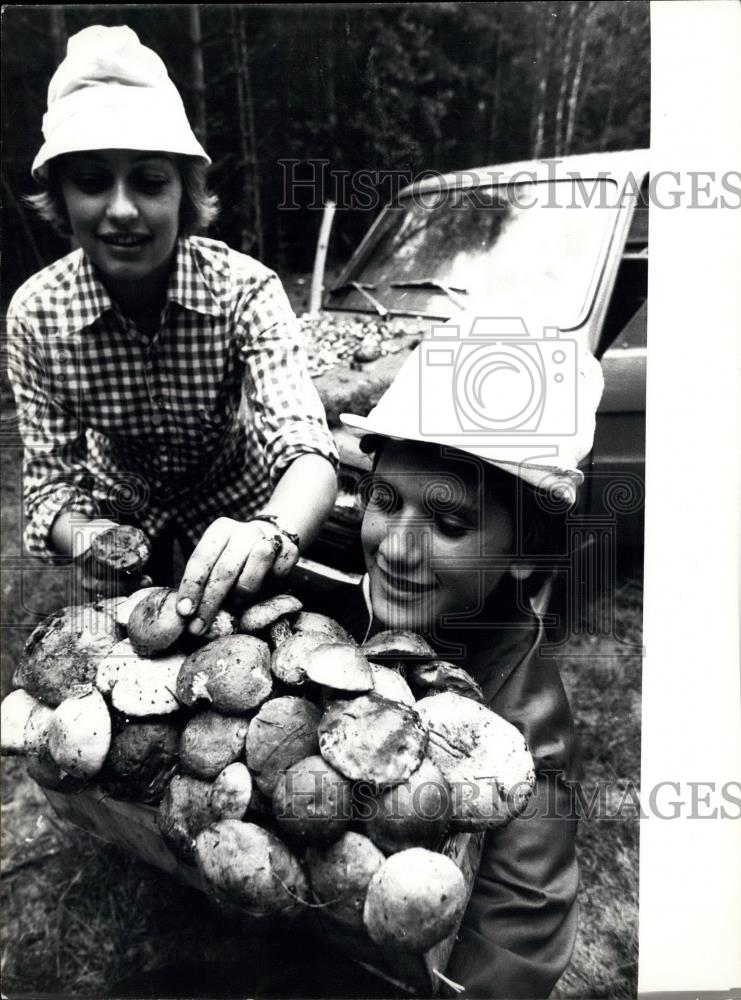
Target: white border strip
690	869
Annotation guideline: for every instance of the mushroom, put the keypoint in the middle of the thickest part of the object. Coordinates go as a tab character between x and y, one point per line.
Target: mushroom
393	645
339	665
289	660
154	624
262	615
232	673
438	675
311	621
371	739
389	682
123	549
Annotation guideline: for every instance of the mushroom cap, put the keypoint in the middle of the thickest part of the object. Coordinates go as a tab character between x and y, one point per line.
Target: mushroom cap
259	616
15	712
282	733
312	802
398	644
127	604
61	657
233	673
312	621
138	685
288	662
438	675
390	683
415	899
245	866
484	758
415	813
154	624
339	874
123	548
340	666
231	792
371	739
80	734
210	742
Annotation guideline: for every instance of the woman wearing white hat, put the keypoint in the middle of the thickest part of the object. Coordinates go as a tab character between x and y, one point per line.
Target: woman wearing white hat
462	529
157	374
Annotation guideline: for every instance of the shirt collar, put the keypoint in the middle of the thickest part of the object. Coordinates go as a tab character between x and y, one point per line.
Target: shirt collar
196	283
88	298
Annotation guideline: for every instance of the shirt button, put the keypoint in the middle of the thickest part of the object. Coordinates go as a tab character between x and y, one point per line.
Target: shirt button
157	419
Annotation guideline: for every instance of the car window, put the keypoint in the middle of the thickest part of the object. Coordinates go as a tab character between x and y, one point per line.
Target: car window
498	247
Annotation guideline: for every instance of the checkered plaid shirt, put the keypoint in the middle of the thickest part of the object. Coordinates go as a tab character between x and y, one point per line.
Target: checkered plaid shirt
196	422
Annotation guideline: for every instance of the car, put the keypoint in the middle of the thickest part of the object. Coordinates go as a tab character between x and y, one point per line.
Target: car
570	235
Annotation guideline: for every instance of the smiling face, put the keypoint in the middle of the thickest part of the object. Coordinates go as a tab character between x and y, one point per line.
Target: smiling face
124	210
436	537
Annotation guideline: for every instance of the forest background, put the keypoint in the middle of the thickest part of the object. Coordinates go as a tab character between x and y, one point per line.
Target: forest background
273	90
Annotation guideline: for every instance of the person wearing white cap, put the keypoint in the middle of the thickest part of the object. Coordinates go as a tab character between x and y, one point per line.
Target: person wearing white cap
461	530
158	375
465	517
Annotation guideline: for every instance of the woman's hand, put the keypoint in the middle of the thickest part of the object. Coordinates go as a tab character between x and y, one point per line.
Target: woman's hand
240	555
232	556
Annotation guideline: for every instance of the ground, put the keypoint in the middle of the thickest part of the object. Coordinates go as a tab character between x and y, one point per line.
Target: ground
79	914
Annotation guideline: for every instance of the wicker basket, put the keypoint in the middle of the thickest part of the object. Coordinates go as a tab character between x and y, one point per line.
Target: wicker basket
133	828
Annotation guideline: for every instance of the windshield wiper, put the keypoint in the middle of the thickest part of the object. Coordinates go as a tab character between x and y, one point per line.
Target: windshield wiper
438	286
364	290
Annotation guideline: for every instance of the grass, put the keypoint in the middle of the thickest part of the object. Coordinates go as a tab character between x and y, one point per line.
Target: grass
604	688
79	915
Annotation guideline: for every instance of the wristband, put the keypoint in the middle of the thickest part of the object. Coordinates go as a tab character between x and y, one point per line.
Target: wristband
272	519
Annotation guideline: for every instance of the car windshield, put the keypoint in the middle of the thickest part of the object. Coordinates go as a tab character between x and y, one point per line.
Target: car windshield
502	247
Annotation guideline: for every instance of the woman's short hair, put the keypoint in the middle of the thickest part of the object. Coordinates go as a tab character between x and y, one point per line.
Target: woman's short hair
198	209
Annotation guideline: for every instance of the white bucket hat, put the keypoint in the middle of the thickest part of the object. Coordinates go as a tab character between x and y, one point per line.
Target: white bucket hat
111	92
520	397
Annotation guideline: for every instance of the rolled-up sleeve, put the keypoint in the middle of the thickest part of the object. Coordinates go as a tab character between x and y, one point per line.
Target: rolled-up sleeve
288	413
54	446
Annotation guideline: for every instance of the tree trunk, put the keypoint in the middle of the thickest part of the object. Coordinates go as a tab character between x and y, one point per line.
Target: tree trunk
252	135
198	81
58	32
576	82
496	98
614	82
543	59
330	98
251	212
565	71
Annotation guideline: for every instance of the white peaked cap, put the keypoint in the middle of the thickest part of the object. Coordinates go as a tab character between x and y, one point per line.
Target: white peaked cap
112	92
517	394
